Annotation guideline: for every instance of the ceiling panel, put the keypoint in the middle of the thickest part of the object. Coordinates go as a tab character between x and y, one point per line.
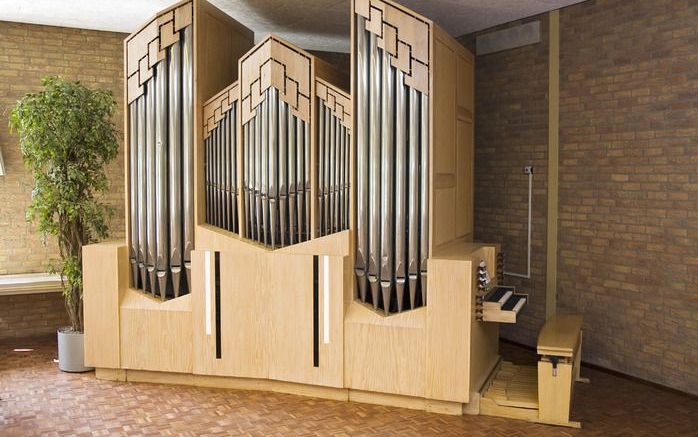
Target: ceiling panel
312	24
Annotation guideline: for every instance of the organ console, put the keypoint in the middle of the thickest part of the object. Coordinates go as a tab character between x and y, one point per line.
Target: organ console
304	229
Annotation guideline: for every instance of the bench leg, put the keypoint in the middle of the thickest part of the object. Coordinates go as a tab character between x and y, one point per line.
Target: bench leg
578	363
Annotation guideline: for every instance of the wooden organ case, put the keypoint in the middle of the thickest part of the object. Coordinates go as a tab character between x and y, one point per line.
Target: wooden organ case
328	249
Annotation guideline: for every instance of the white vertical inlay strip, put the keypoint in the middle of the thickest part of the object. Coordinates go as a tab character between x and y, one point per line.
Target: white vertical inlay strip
207	291
326	299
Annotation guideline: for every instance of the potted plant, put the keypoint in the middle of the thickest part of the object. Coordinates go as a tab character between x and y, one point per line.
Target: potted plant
67	137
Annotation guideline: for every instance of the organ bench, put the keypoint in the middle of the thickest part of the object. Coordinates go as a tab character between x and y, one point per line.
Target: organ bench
541	393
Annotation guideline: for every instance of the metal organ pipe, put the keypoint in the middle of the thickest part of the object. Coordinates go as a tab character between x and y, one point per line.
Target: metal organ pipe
188	149
161	216
133	181
361	113
413	198
300	188
175	161
400	191
282	184
424	194
374	165
273	159
150	206
292	206
141	196
386	186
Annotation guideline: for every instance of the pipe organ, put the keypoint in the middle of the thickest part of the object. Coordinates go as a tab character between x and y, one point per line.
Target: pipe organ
300	238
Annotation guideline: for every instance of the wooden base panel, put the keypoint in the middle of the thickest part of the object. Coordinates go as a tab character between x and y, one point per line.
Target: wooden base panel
332	393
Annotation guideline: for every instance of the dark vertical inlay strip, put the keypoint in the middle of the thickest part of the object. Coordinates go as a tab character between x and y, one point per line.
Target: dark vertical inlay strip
316	318
218	304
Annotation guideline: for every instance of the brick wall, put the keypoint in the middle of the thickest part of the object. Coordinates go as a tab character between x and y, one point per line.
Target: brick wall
27	315
628	186
511	131
27	53
628	236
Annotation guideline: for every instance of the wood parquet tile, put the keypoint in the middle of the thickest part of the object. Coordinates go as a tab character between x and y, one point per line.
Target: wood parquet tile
38	399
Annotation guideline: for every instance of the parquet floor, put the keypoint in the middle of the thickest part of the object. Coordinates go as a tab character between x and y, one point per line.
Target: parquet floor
38	399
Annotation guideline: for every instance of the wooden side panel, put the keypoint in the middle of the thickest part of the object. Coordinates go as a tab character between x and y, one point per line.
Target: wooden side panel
219	41
449	315
452	149
142	316
385	354
484	337
105	275
245	315
329	73
554	392
443	147
291	312
465	153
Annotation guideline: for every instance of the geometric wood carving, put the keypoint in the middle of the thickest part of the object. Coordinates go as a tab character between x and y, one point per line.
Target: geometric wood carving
275	63
148	47
336	100
219	105
403	34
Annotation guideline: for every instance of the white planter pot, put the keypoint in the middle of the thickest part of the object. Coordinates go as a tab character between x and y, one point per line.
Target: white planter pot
71	351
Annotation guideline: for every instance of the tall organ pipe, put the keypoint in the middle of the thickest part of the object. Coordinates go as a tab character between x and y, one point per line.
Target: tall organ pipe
374	163
300	189
142	194
273	160
400	190
362	142
233	166
175	170
246	176
291	166
188	150
161	216
283	162
150	206
265	168
133	189
424	191
306	176
413	197
322	141
258	173
386	186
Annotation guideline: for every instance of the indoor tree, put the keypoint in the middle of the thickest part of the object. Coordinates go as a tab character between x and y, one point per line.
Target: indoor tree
67	137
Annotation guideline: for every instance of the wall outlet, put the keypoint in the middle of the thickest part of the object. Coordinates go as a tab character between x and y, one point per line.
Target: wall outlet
528	169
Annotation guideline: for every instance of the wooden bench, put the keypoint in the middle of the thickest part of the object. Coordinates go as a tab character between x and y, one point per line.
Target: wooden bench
30	283
560	353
